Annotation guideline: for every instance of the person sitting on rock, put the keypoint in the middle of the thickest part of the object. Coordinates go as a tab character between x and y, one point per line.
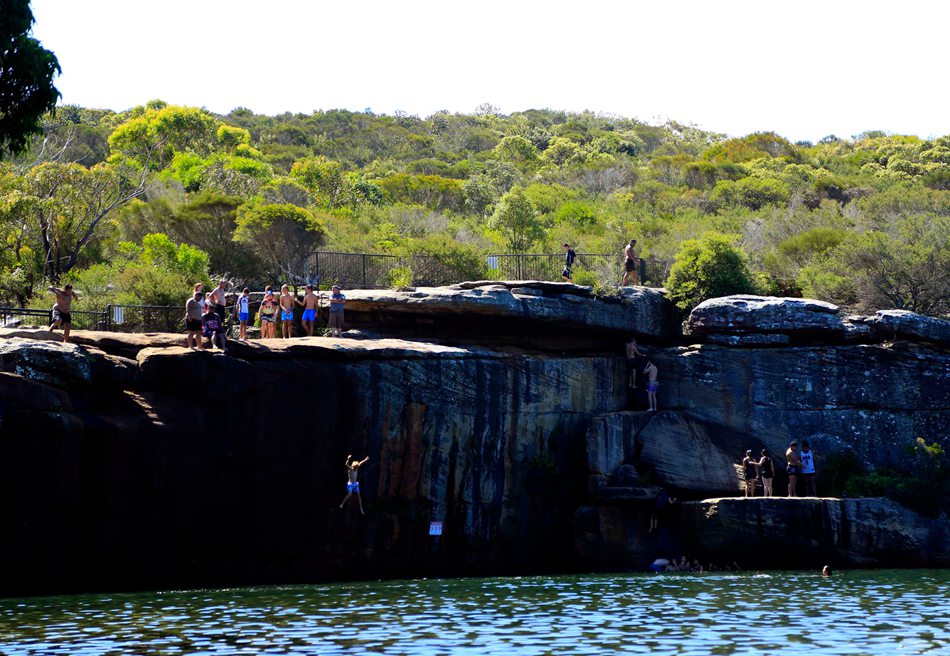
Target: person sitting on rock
766	473
212	328
793	468
652	385
352	485
750	472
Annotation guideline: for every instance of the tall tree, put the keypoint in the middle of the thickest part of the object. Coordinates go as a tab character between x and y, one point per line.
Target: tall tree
26	77
283	236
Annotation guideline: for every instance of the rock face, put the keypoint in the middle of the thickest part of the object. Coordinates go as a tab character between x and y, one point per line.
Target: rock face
773	533
765	314
513	308
215	469
499	409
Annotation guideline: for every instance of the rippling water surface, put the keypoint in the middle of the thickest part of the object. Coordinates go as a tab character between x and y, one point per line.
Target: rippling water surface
855	612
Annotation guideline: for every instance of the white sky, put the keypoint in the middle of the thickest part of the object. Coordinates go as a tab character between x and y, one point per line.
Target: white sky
805	69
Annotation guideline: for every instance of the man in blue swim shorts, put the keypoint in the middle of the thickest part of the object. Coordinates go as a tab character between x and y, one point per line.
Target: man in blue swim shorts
352	486
310	304
287	302
243	307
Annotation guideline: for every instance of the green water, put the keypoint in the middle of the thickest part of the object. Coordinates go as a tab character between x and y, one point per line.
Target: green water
856	612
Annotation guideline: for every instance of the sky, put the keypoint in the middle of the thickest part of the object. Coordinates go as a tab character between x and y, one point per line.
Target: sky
804	69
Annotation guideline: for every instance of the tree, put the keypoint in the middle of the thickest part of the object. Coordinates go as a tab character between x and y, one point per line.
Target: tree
71	205
517	219
708	268
26	77
283	236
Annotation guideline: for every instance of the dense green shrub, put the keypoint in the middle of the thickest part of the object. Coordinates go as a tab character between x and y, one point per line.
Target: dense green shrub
707	268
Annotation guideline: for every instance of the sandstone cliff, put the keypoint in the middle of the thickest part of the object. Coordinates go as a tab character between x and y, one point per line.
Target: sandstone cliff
129	461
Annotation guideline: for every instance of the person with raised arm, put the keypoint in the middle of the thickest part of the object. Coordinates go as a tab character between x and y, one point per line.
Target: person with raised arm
352	485
62	315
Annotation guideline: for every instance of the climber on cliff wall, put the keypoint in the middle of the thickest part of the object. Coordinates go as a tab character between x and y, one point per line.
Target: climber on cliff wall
652	385
352	485
635	359
61	309
793	468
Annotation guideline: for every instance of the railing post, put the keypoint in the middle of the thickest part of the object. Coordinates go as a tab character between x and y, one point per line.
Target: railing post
364	270
109	317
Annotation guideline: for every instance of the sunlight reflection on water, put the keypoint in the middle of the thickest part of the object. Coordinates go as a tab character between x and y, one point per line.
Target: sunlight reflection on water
856	612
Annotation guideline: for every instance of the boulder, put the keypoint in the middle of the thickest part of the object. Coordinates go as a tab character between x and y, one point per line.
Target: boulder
742	314
477	309
63	365
689	455
910	325
21	393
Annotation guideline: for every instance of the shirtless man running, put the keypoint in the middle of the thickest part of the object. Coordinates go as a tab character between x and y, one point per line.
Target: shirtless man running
61	309
352	485
310	303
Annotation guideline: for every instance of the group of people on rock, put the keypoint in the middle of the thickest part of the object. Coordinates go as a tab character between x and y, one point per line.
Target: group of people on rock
205	313
685	565
799	465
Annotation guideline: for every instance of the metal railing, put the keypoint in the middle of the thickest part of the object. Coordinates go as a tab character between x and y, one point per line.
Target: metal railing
34	317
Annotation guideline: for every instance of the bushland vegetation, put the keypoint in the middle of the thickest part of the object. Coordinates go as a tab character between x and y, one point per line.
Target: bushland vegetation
133	205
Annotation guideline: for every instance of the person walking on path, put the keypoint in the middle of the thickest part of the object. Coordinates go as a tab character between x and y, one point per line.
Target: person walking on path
337	302
750	473
194	309
352	485
569	257
793	468
310	303
243	307
807	458
219	300
629	263
62	309
287	302
766	473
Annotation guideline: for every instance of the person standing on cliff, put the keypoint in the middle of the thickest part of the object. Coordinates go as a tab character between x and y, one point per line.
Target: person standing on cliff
243	307
219	300
268	314
287	302
807	458
766	472
750	473
629	263
335	320
310	302
793	468
193	313
62	315
569	257
352	485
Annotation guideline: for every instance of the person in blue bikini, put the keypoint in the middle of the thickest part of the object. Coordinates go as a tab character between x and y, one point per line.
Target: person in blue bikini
310	303
352	485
